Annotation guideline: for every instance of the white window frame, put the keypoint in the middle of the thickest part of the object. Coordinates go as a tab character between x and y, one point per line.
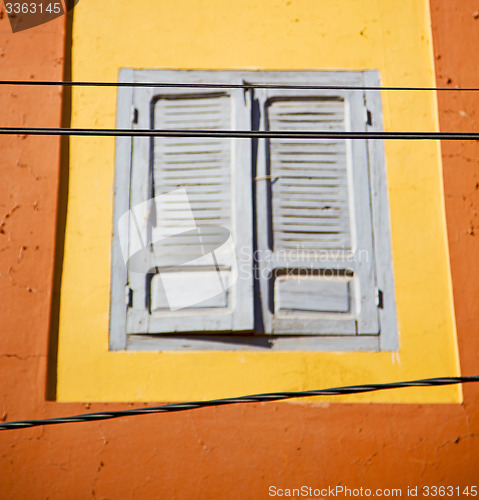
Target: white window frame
372	155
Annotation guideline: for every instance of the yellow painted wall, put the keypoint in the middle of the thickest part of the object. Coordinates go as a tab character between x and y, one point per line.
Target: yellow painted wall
266	35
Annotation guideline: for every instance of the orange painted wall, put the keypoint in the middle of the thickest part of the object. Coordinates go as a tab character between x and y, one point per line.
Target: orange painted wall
229	452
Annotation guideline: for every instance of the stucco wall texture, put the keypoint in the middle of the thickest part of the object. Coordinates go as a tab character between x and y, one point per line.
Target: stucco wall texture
229	452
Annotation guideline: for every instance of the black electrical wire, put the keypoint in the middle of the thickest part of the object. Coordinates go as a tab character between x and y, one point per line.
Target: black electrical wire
256	398
245	85
242	134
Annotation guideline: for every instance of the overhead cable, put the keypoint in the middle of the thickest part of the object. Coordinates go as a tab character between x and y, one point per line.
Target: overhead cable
244	85
241	134
256	398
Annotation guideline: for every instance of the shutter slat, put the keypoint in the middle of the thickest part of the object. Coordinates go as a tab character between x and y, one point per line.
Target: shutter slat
304	192
305	182
205	188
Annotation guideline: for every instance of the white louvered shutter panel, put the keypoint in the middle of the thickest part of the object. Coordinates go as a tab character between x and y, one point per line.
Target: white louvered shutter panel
319	274
200	166
192	228
310	196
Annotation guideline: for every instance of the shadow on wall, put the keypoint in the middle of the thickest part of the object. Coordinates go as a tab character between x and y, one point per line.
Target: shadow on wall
51	383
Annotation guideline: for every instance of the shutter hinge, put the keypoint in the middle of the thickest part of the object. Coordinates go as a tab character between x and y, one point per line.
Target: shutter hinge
379	298
134	114
128	296
368	117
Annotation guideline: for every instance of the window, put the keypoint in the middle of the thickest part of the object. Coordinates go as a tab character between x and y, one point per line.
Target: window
234	243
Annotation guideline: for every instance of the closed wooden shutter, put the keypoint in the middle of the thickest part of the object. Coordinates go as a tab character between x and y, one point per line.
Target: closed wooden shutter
318	270
191	199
